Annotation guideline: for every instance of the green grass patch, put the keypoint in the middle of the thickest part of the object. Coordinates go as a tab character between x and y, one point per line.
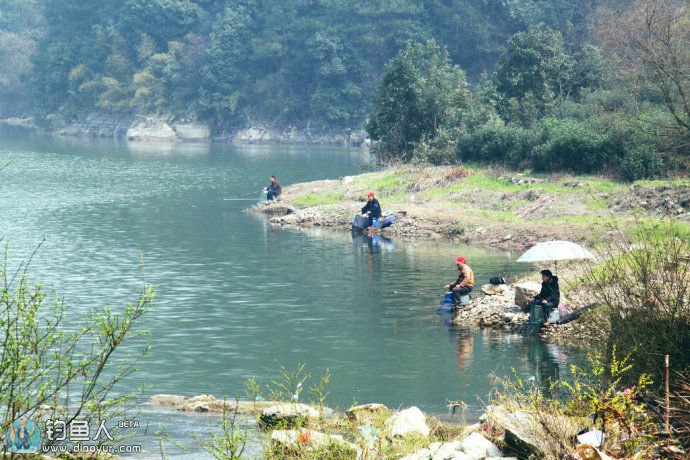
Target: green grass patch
596	203
671	182
399	197
389	180
501	215
658	230
318	199
586	220
514	205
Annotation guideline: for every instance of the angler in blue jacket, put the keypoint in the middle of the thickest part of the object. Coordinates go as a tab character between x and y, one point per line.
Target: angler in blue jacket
372	209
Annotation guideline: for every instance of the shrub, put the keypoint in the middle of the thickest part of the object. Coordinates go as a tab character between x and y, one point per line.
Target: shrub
571	145
497	143
47	355
644	290
594	397
641	162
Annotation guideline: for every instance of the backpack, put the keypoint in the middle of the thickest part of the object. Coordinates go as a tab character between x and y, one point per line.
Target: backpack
497	280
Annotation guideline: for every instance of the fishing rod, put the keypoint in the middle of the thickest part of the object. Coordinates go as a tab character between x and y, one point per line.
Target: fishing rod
434	293
239	197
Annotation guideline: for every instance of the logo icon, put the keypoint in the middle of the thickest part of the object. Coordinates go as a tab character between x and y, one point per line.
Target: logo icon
23	436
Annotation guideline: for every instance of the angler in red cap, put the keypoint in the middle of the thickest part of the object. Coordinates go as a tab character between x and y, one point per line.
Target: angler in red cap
372	209
465	282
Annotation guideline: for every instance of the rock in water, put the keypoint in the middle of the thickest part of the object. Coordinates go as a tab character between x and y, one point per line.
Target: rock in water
286	415
478	447
178	400
151	129
525	291
192	131
408	421
255	135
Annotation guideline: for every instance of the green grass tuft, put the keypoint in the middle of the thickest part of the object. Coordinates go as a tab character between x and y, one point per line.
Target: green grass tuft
318	199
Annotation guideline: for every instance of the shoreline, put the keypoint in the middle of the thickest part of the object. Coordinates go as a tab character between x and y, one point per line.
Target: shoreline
141	128
482	206
287	428
489	208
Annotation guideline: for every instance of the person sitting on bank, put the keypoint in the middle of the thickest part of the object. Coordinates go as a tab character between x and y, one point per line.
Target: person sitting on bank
273	190
550	295
465	282
372	209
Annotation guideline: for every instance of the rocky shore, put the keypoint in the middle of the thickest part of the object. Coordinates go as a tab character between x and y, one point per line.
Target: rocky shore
137	128
292	429
503	307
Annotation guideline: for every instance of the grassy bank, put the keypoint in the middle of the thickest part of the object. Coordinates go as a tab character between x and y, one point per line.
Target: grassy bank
490	207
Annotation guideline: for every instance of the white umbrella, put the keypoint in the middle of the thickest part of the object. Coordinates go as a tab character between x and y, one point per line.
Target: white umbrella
555	250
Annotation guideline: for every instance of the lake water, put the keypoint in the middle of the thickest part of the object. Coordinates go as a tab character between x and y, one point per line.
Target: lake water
238	298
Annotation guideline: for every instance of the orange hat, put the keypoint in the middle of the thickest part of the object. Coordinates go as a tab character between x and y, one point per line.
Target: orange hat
461	259
371	194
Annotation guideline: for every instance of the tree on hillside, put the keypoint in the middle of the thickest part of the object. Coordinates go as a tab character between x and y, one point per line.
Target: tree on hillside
649	41
225	70
530	73
421	93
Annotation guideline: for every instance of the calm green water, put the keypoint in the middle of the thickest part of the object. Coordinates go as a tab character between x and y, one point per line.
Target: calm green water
237	298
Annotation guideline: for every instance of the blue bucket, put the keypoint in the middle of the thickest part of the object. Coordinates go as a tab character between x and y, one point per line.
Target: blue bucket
448	298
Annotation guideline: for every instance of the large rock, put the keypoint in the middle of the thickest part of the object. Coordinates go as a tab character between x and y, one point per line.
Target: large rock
422	454
255	135
192	131
208	403
287	415
407	422
494	289
151	129
219	406
294	443
276	208
167	400
448	451
525	436
476	446
364	411
525	291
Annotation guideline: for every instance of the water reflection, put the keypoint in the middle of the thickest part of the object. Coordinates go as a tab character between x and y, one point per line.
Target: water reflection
372	244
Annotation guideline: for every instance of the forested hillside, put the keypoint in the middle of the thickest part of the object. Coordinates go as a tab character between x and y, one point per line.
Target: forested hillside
235	62
555	85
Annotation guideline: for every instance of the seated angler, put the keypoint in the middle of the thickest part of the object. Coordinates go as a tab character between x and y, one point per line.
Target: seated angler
372	209
465	282
550	294
273	190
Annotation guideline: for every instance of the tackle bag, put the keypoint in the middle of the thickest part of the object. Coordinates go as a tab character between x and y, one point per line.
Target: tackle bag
360	223
388	221
497	280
